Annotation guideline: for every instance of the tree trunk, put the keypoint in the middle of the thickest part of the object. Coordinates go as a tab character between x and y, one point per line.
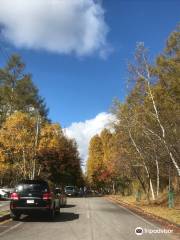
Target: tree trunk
163	132
157	178
113	187
141	182
39	171
144	164
35	146
150	182
24	164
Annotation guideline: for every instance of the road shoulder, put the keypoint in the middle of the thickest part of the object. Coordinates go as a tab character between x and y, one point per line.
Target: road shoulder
146	215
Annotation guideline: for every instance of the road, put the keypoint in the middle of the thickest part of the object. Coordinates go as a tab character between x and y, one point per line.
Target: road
82	219
4	205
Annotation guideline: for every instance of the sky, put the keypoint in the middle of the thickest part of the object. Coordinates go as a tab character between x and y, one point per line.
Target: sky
77	52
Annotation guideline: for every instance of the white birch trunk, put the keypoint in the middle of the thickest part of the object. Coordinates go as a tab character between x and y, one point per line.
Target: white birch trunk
157	164
147	79
39	171
113	186
24	164
35	147
152	189
144	164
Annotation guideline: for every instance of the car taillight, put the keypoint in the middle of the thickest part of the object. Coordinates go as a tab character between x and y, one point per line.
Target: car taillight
47	196
14	196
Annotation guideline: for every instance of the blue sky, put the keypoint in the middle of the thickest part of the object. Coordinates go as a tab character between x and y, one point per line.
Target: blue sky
80	84
77	88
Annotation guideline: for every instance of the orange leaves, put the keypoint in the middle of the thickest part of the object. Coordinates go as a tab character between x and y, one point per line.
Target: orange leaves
101	166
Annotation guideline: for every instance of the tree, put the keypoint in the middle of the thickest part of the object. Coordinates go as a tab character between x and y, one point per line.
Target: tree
17	91
17	137
31	146
95	161
142	70
144	145
51	156
59	160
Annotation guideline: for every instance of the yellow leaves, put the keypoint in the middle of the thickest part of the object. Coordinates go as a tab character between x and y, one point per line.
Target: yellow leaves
3	163
101	166
50	136
18	131
17	137
35	147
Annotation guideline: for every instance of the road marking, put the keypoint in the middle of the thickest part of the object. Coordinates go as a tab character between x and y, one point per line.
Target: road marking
87	214
87	208
11	228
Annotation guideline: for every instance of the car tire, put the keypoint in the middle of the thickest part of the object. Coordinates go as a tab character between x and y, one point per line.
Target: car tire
15	216
58	211
51	214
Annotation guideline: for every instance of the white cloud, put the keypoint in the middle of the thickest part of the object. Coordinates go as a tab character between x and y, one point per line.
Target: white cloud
84	131
61	26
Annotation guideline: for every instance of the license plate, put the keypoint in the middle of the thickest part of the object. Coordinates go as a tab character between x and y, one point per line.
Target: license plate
30	201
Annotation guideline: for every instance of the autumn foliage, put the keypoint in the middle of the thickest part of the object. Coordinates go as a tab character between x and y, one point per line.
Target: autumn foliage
142	151
30	145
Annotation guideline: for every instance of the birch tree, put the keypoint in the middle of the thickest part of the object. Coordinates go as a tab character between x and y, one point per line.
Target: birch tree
142	70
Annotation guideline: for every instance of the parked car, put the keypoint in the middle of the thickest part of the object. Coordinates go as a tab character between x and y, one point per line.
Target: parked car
62	197
3	194
31	196
71	191
8	191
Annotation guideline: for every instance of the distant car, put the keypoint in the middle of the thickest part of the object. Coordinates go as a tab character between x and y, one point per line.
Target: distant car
8	191
71	191
3	194
31	196
62	197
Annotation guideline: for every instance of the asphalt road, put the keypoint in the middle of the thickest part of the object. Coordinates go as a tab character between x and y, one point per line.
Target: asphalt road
83	219
4	205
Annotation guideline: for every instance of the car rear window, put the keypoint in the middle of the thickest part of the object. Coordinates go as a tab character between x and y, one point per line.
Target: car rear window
69	188
32	188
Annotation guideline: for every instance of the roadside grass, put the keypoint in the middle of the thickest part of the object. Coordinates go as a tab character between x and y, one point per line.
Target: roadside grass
2	213
155	208
171	214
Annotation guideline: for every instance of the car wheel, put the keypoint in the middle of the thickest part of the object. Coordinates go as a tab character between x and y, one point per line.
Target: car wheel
15	216
58	211
52	214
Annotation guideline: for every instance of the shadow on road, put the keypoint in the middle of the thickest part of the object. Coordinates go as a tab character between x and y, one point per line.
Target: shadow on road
67	216
87	196
69	206
62	217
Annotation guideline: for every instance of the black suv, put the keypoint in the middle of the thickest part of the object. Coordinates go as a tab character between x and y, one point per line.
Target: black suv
31	196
